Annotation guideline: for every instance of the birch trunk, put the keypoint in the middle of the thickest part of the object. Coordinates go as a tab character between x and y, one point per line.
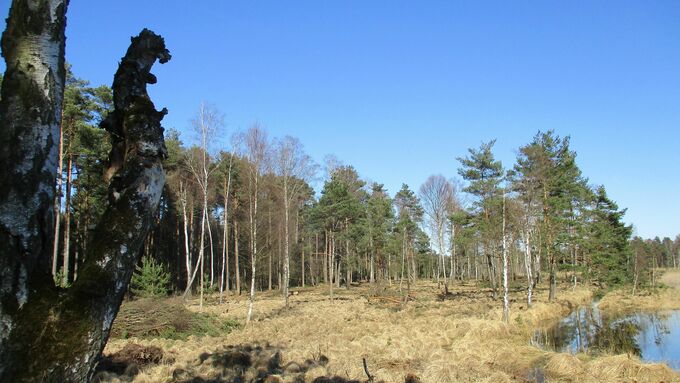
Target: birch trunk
528	266
302	263
253	239
506	301
286	244
237	269
187	250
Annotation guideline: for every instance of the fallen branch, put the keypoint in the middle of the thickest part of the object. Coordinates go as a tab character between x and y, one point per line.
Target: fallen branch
370	378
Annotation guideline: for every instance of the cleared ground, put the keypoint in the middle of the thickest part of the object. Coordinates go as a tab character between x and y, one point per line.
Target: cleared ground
436	338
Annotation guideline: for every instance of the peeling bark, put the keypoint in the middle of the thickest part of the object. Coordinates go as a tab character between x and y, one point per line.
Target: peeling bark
51	334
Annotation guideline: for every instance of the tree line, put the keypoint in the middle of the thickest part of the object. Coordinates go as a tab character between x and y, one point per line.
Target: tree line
247	218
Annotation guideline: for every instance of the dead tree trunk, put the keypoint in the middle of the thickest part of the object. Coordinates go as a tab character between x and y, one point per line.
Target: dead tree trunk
48	333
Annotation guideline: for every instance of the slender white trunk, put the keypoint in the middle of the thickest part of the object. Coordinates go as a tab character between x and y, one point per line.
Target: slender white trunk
212	252
237	268
453	252
187	251
253	253
506	302
225	264
201	253
528	266
403	258
440	235
370	245
331	263
286	245
348	268
302	263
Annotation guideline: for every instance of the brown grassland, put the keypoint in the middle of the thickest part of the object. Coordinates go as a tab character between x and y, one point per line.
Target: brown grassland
453	338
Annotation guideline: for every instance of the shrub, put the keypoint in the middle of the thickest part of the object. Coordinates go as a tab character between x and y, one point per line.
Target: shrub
59	280
151	279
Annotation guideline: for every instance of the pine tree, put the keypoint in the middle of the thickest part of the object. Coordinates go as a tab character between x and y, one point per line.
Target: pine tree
151	279
550	184
484	174
610	247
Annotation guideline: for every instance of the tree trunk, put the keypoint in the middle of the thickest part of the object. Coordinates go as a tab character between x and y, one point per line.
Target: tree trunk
326	267
253	244
66	252
528	266
268	245
302	263
201	255
453	252
331	262
506	301
286	245
224	279
440	233
73	324
212	251
371	278
199	262
552	278
279	276
187	250
57	204
225	255
348	271
237	269
315	275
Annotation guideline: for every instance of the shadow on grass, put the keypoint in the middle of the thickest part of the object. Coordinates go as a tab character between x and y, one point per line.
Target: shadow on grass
253	363
237	364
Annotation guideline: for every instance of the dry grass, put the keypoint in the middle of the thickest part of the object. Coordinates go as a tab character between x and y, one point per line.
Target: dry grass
454	338
666	298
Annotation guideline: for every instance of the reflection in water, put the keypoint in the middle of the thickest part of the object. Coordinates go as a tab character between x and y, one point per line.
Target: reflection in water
654	337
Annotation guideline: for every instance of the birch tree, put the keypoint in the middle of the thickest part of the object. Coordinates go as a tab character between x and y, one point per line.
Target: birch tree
506	301
256	145
435	195
205	124
294	168
73	323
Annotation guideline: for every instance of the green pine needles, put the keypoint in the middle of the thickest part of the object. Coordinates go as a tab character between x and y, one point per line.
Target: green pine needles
151	279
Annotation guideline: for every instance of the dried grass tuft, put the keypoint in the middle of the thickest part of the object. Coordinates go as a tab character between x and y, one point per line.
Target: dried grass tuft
564	365
630	368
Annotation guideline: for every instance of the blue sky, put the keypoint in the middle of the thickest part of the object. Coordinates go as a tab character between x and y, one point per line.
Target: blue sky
399	89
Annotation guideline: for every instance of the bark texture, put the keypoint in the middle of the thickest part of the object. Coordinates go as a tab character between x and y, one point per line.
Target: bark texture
32	93
50	334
